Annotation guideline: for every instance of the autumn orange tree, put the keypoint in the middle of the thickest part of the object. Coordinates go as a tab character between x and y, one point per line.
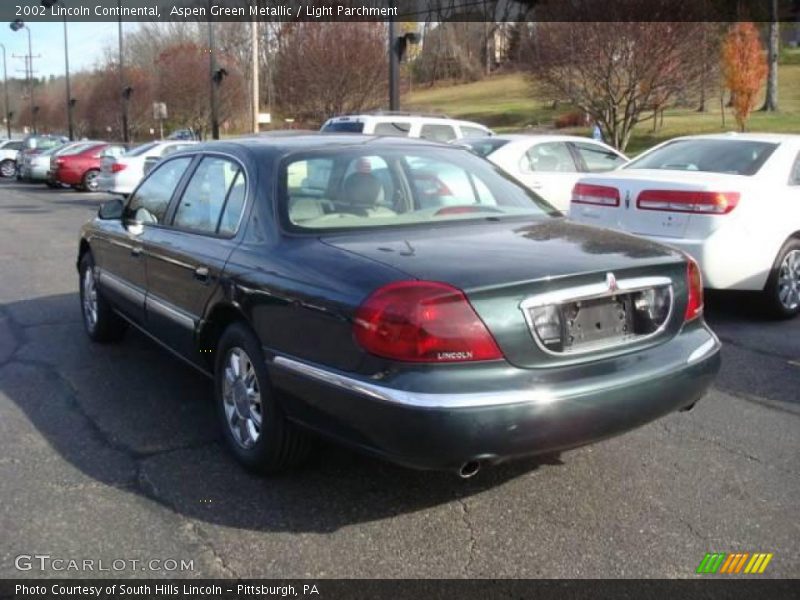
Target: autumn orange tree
744	68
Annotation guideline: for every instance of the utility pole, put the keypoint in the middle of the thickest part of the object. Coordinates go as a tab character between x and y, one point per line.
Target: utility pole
124	93
70	103
212	81
394	68
254	73
16	26
5	93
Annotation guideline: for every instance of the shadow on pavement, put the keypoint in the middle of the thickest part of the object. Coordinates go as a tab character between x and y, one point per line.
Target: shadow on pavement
130	415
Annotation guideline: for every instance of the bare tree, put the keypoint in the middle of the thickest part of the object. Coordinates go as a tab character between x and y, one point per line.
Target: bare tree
773	50
323	69
620	73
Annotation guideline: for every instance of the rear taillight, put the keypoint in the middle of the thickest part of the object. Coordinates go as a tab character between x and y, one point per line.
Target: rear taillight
600	195
59	162
694	285
423	321
708	203
117	167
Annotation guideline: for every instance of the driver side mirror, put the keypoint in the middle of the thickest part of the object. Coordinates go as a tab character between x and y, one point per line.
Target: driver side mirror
111	210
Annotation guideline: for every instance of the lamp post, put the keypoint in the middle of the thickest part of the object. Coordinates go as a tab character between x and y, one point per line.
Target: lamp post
69	100
397	49
125	91
5	94
16	25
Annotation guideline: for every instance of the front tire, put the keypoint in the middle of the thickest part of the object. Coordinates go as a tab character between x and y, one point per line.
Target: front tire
782	292
252	419
8	168
100	321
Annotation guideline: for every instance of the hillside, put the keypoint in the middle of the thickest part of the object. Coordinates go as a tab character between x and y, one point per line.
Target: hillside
508	103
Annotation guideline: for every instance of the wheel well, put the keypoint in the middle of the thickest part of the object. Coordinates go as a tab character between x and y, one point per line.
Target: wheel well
82	250
218	320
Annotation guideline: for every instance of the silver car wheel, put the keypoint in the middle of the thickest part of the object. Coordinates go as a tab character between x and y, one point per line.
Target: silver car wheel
8	168
89	299
91	182
789	281
242	398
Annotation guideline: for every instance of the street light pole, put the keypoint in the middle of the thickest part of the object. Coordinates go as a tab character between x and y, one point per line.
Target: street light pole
213	82
123	90
70	125
5	93
394	68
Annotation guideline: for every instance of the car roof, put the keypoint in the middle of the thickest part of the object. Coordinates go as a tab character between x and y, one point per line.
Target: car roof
534	137
315	141
776	138
404	116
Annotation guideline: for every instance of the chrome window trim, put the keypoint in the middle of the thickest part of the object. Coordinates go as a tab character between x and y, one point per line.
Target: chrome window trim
594	291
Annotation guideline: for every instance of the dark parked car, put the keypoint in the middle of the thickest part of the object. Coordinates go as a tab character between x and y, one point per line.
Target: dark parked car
402	296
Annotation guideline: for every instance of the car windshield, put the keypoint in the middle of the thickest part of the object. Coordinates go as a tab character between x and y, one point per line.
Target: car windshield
736	157
139	150
343	127
360	188
483	147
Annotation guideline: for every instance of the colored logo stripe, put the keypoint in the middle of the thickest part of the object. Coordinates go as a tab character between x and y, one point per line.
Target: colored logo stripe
734	563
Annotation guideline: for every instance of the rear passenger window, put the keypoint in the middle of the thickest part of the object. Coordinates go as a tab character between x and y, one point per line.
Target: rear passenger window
393	128
203	200
149	203
597	158
467	131
438	133
550	157
795	176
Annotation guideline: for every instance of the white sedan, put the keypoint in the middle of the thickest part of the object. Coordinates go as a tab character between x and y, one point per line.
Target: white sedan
121	175
547	164
731	201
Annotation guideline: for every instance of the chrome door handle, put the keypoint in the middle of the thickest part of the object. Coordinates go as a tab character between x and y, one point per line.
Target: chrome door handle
136	251
201	273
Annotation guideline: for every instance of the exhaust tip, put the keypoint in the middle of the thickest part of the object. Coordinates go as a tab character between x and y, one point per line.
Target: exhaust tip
469	469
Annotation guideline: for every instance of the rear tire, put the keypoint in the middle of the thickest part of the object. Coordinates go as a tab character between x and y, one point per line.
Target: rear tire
89	182
100	321
8	168
782	292
252	419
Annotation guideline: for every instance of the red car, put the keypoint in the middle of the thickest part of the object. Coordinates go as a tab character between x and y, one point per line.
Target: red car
80	170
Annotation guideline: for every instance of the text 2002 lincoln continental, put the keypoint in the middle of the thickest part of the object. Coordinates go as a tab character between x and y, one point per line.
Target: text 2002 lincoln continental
400	296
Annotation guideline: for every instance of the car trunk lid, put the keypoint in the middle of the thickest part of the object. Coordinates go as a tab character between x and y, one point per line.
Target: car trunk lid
655	202
501	266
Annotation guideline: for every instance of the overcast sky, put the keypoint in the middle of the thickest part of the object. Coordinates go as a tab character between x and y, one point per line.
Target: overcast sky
86	44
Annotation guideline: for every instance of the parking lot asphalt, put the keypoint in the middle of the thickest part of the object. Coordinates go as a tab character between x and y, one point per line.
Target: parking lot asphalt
112	453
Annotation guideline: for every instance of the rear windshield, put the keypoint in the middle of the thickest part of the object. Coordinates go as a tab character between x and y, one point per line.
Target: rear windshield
344	127
355	188
485	146
44	143
735	157
139	150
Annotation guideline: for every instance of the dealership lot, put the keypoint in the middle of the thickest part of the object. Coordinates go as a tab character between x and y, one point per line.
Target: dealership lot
112	454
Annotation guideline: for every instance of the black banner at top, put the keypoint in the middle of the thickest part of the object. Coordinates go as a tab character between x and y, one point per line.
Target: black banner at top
399	10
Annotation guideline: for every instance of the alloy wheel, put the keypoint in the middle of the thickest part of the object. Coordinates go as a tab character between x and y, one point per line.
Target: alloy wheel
91	181
242	398
8	169
789	281
89	299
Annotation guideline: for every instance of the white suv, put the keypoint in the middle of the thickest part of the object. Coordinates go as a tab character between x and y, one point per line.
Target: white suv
440	129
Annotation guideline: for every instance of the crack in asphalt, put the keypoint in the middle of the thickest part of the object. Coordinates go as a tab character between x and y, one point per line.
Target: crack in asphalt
472	542
742	346
698	437
139	482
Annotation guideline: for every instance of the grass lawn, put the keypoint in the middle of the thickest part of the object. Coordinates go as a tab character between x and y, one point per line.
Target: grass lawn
508	103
